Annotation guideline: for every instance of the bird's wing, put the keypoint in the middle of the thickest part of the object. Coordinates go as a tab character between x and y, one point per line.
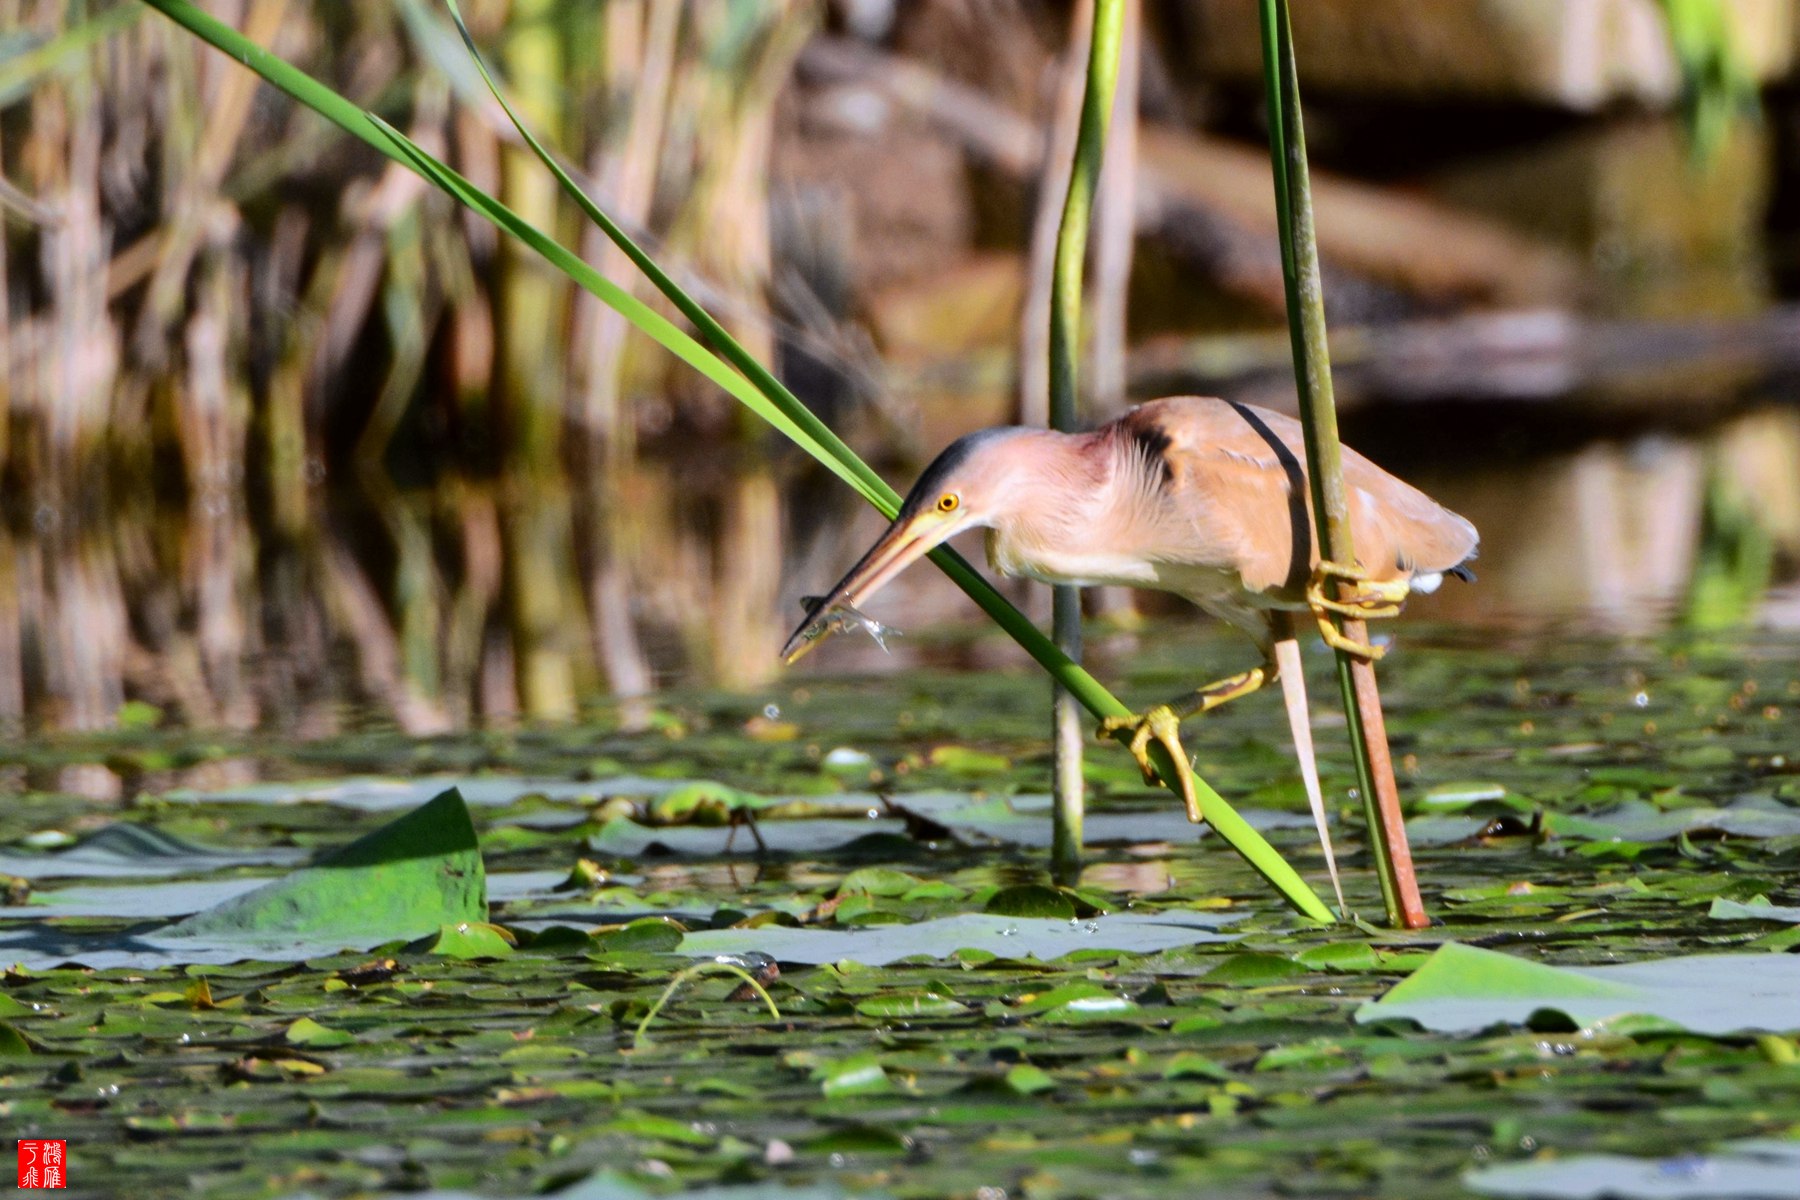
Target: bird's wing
1229	498
1232	496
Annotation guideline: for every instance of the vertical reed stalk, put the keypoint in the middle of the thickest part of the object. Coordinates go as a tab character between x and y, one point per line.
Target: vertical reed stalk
1115	232
1065	343
640	51
530	299
1318	416
1053	194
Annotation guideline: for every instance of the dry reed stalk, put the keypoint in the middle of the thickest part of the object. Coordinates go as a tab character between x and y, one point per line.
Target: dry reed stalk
357	605
535	526
6	342
604	522
474	519
410	307
220	566
12	642
283	442
79	618
726	224
195	200
1053	189
77	340
531	304
641	41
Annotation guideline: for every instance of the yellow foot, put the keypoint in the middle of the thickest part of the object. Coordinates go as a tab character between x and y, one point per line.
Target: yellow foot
1374	599
1161	725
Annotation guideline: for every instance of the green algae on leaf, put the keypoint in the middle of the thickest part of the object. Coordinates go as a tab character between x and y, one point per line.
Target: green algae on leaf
1031	900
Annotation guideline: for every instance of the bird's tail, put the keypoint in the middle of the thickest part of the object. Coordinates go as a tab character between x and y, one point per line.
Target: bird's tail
1293	694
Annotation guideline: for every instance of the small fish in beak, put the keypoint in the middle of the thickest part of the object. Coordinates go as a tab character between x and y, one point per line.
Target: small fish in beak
823	621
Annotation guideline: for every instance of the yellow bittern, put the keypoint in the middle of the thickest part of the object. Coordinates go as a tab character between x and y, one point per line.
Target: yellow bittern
1201	497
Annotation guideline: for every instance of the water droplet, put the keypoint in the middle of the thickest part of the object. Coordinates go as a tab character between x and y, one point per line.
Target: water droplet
1009	931
1642	699
772	711
1091	927
873	814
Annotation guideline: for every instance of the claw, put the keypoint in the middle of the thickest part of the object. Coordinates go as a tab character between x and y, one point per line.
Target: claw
1373	600
1334	637
1161	725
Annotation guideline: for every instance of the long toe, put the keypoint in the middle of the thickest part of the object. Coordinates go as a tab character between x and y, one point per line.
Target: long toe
1184	774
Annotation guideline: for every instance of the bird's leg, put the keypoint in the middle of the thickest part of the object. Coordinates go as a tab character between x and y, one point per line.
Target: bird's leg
1162	724
1374	599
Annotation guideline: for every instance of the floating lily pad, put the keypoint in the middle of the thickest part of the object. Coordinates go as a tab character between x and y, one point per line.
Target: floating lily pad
1024	820
126	849
1753	1169
1637	821
1758	909
1461	988
609	1185
622	837
411	877
377	794
1009	937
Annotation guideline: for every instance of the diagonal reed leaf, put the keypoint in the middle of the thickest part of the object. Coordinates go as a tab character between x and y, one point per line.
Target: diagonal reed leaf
751	383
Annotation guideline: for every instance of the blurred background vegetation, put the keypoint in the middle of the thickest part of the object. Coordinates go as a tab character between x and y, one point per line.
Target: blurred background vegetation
285	438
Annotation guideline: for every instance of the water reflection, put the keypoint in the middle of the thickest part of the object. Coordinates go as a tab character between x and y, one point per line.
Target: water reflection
481	603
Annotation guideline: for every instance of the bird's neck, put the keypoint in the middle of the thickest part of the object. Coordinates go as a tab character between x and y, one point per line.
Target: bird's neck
1053	525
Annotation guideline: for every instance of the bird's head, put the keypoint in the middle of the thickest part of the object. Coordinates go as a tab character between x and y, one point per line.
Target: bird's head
971	485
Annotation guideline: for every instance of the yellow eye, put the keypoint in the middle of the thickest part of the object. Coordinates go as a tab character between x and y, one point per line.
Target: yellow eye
948	501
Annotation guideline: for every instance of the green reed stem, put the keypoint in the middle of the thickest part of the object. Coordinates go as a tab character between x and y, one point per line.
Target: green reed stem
1312	376
1065	350
750	383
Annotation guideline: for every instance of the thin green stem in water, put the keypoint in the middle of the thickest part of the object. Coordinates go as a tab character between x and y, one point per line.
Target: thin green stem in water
640	1039
1065	341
